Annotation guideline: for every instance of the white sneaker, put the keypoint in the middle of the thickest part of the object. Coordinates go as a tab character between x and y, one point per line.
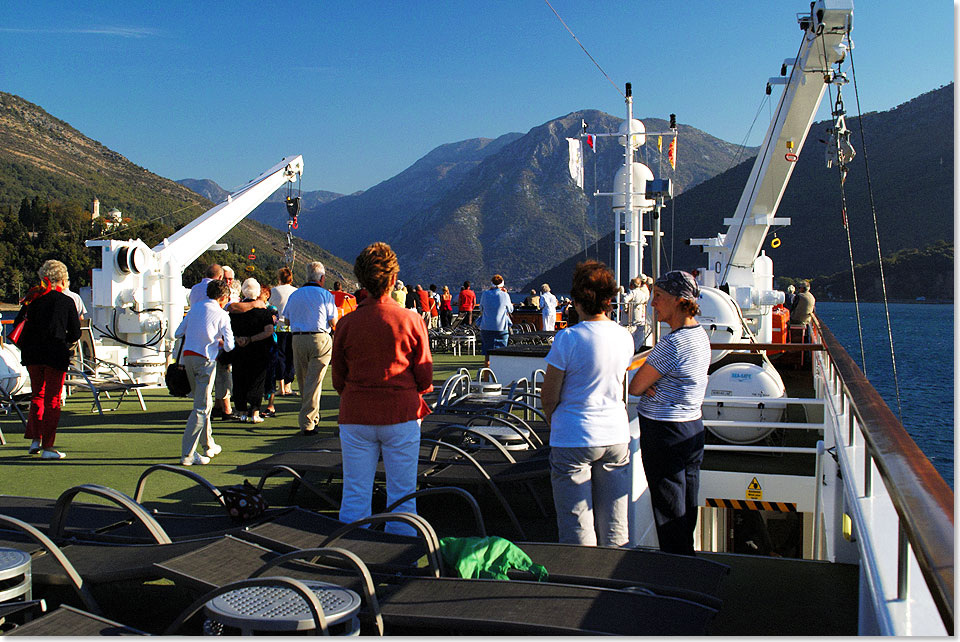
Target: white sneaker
213	450
196	459
257	419
52	454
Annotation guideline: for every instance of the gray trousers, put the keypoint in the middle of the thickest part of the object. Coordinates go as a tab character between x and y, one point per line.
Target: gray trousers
200	373
311	356
591	493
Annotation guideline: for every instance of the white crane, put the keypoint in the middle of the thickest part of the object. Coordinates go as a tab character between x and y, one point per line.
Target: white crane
137	294
733	256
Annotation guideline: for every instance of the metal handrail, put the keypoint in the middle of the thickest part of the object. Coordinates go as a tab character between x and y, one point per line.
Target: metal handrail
919	494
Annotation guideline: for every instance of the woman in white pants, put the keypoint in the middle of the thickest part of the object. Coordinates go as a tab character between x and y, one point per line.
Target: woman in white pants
381	367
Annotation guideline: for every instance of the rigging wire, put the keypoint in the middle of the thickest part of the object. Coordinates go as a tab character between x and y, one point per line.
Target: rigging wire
619	91
738	157
841	173
876	229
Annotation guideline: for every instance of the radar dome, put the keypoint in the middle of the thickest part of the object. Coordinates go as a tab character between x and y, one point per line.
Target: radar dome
641	174
639	136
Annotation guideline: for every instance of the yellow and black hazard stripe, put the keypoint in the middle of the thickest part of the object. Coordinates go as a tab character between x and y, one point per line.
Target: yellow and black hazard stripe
745	504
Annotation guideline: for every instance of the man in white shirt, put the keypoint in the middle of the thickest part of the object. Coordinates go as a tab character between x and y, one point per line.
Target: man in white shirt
222	378
77	301
198	293
312	314
548	308
205	329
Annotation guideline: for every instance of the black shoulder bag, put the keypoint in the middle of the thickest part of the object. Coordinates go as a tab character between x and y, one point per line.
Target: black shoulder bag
176	377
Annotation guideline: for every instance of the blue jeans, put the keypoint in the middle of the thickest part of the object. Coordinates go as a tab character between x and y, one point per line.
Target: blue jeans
494	339
591	492
362	446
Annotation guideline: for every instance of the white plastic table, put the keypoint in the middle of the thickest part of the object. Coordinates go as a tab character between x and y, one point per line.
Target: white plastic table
15	569
277	608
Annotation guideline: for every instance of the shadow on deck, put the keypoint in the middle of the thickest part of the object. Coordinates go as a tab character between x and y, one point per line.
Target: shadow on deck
778	596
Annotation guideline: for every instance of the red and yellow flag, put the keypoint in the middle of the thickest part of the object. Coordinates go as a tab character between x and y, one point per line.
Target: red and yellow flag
672	153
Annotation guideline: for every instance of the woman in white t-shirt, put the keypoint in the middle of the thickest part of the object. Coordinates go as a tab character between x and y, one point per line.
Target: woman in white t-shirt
589	431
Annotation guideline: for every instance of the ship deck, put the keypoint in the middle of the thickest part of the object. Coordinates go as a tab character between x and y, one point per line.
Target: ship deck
762	596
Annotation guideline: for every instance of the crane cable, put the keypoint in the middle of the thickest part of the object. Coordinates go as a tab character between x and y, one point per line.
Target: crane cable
293	210
876	229
838	113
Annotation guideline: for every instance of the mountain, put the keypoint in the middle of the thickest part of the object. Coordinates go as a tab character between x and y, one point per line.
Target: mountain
471	208
518	210
911	175
272	212
908	274
205	188
49	169
350	223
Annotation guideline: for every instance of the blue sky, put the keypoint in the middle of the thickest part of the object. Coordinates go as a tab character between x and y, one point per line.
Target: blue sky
362	89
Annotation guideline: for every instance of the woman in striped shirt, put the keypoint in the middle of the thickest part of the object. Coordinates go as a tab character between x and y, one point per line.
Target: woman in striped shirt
672	383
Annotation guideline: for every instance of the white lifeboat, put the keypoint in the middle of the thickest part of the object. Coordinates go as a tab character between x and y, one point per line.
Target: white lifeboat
720	317
739	381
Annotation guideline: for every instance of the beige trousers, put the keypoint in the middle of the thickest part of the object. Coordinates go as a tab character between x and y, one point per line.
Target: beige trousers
311	356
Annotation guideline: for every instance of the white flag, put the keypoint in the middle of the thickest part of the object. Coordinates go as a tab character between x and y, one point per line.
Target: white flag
576	161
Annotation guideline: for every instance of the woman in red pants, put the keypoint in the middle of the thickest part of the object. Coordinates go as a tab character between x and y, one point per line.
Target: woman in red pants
52	326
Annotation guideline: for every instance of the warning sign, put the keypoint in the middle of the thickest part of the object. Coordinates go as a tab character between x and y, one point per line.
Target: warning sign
754	492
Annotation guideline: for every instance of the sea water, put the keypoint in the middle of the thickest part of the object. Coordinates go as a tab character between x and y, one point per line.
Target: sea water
923	352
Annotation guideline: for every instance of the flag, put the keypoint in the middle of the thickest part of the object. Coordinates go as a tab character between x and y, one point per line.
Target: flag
672	153
576	161
660	144
591	141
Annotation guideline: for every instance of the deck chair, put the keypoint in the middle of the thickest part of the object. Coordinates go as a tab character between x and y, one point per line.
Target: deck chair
127	521
440	464
410	605
98	376
68	620
690	578
82	566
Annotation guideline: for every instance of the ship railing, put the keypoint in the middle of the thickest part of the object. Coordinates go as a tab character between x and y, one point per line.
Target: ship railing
903	526
812	406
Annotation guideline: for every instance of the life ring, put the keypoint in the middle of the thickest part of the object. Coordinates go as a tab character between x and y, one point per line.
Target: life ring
775	242
791	157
